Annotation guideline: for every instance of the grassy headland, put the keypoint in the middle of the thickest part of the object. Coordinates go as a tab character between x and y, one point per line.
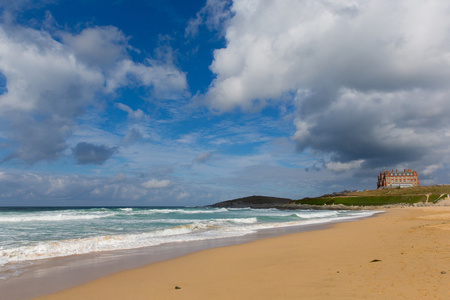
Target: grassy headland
388	196
424	194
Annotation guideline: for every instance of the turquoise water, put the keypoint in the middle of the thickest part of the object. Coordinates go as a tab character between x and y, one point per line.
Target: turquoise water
31	234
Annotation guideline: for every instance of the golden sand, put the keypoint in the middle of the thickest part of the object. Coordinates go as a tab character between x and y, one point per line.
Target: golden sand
401	254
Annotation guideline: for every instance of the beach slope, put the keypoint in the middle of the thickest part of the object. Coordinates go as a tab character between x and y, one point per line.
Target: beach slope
401	254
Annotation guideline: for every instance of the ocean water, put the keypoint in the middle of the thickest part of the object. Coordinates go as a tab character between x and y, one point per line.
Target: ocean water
31	234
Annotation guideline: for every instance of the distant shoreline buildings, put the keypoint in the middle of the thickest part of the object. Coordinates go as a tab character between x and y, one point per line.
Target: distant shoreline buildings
406	178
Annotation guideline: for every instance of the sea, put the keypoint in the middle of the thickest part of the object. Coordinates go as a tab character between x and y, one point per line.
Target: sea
30	235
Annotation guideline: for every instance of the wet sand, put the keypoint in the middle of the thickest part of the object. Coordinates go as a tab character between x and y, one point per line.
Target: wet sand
48	276
401	254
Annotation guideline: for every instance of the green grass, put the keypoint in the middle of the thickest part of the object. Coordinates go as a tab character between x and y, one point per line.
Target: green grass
382	197
434	198
352	201
418	190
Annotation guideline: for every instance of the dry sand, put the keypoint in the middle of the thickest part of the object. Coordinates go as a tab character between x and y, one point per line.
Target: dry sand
401	254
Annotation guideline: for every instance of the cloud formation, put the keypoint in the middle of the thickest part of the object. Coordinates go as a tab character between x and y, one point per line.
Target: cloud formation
137	114
18	189
132	136
86	153
370	78
215	15
341	167
156	184
203	157
50	82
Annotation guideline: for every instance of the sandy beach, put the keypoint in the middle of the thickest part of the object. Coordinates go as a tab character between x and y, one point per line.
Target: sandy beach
401	254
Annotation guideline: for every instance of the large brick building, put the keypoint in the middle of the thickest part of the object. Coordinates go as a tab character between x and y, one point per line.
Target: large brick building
404	178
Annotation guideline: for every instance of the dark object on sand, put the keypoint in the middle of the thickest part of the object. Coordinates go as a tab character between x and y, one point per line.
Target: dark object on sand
375	260
177	288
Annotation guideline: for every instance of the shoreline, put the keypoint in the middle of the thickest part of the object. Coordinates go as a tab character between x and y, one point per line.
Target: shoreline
52	275
400	254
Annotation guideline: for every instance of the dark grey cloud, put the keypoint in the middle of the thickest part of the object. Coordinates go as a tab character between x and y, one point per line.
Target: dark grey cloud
86	153
383	129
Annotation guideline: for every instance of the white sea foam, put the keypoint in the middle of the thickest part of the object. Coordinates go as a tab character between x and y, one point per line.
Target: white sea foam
175	211
317	214
187	228
3	260
53	217
182	233
182	211
242	220
213	211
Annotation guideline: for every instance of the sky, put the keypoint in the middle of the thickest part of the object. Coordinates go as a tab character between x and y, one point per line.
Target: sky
185	103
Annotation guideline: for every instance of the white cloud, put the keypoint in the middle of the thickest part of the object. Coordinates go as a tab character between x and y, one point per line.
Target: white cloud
50	83
137	114
102	47
189	138
39	69
431	169
370	77
215	14
302	133
166	81
203	157
340	167
106	49
156	184
183	195
274	47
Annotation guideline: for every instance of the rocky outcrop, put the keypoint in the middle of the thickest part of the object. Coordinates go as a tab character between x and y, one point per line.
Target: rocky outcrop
254	202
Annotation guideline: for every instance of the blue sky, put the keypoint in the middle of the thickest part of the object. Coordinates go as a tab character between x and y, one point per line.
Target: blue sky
194	102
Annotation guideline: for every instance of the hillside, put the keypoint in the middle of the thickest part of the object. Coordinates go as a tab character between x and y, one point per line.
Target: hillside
425	194
351	200
254	202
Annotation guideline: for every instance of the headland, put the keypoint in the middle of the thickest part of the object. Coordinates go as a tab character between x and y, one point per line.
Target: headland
418	196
